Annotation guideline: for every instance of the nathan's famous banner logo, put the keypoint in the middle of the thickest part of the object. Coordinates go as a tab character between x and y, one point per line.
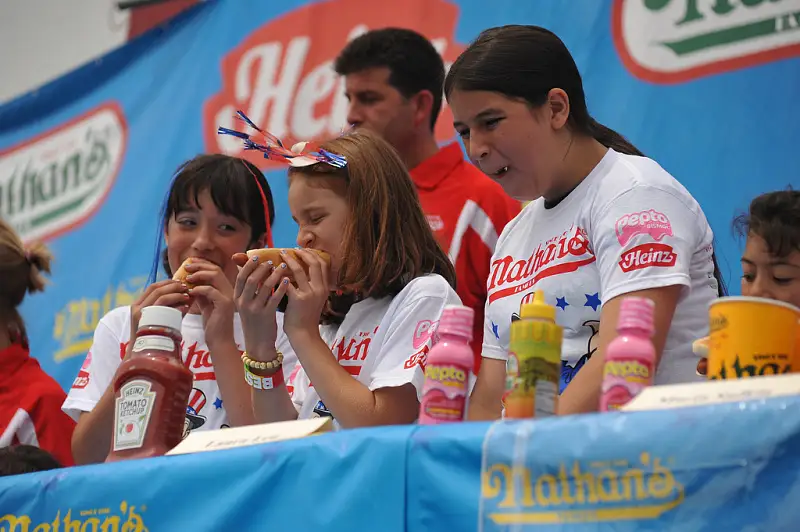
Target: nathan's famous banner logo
127	519
281	75
54	182
579	491
669	41
76	322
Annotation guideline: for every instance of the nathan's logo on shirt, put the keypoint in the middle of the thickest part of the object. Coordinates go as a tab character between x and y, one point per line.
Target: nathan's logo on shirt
558	255
647	256
54	182
281	74
650	222
198	361
351	351
672	41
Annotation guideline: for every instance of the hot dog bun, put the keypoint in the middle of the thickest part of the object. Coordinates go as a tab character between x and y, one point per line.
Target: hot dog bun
181	274
274	254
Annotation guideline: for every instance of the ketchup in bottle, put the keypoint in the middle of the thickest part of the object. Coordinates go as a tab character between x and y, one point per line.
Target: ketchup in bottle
151	389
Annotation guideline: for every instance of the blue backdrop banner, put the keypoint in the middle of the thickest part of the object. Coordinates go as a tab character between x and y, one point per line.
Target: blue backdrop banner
709	89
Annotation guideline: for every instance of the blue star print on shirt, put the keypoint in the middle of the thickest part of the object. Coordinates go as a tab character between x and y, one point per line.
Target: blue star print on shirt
495	331
592	300
218	403
561	302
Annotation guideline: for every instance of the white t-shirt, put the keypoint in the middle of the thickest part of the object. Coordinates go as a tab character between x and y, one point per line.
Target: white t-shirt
382	343
206	409
628	226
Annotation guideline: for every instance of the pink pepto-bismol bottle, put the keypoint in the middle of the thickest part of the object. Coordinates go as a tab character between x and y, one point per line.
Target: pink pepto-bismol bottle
630	358
448	367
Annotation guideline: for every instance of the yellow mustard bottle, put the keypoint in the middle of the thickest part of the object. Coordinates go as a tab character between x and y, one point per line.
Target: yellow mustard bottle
534	361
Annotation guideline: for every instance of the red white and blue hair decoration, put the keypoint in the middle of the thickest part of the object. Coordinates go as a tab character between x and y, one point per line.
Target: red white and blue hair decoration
300	155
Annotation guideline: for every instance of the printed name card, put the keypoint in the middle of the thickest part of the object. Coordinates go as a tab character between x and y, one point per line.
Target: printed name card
715	392
215	440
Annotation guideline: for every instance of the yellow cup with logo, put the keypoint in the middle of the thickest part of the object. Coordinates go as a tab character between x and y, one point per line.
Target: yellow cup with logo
751	337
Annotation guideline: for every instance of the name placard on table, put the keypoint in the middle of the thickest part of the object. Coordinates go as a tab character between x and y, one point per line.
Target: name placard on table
715	392
215	440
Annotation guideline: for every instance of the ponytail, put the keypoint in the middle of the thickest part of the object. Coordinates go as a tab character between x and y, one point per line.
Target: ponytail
21	273
39	258
611	139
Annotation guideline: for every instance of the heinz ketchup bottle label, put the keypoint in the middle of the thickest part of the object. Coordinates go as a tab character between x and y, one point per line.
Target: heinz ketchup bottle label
132	413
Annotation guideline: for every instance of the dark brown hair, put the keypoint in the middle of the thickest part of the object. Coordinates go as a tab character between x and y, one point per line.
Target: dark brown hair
413	62
775	217
386	241
21	272
20	459
526	63
229	181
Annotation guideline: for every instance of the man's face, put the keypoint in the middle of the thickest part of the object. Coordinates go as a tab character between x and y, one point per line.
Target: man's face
376	105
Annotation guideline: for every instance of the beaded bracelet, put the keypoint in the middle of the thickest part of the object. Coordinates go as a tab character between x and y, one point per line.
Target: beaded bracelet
255	364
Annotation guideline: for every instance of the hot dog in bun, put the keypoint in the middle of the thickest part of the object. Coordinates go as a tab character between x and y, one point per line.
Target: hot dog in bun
275	255
181	274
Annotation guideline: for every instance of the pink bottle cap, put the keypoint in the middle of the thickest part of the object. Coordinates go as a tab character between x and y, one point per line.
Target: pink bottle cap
637	313
457	320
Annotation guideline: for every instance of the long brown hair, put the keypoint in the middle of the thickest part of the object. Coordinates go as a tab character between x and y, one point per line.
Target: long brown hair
21	271
386	241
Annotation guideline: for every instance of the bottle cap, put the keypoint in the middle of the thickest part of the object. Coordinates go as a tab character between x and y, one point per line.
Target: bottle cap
637	313
538	309
156	316
457	320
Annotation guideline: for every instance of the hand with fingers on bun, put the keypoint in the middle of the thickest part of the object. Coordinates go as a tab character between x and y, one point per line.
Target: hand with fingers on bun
211	290
265	278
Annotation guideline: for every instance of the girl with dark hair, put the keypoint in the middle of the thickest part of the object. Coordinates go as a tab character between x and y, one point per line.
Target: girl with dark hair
604	221
217	206
771	257
361	324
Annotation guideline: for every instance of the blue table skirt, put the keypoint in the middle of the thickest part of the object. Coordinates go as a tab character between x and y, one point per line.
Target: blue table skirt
721	468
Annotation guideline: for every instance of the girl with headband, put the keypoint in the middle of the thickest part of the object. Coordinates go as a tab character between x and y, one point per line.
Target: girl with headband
217	206
604	221
360	316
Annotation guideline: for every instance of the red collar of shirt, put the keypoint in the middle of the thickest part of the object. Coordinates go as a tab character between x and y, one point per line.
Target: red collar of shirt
430	172
12	358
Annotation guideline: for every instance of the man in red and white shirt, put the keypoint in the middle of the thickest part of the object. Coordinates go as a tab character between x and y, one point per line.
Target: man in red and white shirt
393	81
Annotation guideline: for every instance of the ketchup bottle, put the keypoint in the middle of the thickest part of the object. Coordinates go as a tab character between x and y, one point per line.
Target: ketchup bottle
151	389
